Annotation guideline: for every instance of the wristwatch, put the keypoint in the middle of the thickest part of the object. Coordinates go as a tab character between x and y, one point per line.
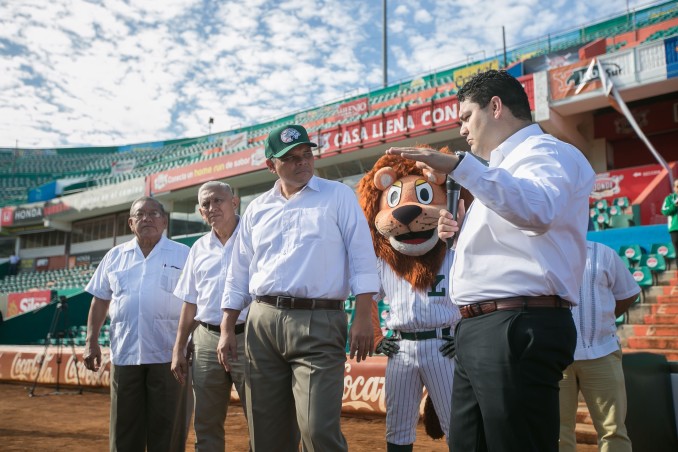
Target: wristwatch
460	155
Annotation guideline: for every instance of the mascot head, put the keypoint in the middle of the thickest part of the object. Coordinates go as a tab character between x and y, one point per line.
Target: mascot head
402	204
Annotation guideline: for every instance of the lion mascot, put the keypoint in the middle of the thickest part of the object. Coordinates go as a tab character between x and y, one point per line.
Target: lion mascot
402	205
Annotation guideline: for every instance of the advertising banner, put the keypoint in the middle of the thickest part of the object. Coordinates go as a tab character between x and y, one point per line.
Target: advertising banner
551	61
124	193
461	76
221	167
629	182
7	218
564	81
18	303
353	108
382	128
363	382
27	215
123	166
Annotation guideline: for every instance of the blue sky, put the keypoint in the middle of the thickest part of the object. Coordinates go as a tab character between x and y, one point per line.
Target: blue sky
115	72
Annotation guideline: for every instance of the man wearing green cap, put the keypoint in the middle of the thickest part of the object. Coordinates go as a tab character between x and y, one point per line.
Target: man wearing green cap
303	247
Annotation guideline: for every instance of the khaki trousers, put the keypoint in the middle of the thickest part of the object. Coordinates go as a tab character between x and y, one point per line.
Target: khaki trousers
147	409
212	388
295	377
601	382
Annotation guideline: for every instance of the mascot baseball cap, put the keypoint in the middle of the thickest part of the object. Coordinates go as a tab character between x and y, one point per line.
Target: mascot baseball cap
282	139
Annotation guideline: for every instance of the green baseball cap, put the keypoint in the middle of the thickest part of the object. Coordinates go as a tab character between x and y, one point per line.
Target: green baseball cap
284	138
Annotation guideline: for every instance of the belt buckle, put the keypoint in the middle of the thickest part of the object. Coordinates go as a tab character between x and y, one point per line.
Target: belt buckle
280	301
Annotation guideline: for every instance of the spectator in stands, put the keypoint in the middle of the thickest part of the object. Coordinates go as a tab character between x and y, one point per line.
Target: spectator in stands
201	286
13	264
136	280
518	265
302	247
608	290
670	209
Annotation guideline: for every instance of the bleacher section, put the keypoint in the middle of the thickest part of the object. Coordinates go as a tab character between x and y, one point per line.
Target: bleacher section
72	278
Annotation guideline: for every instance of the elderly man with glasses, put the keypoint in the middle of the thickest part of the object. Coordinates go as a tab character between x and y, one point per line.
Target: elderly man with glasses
134	284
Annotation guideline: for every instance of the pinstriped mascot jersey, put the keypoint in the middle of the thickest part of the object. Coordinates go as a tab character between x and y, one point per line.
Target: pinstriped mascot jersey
402	205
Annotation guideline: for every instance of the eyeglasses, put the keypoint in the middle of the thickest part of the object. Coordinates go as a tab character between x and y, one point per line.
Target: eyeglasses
297	158
153	215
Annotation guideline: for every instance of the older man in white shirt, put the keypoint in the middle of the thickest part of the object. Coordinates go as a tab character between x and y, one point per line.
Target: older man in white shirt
303	246
518	266
134	284
201	286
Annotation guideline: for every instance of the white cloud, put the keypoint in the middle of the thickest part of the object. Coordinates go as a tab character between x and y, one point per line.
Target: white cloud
116	72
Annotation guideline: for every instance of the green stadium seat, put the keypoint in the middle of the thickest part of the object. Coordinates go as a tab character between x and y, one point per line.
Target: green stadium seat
643	277
601	205
656	264
601	221
622	202
619	221
665	249
632	252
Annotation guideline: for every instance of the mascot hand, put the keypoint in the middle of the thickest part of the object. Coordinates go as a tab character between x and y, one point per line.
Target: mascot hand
449	348
389	346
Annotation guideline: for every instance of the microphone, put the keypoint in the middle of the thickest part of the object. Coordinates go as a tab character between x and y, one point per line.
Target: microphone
453	192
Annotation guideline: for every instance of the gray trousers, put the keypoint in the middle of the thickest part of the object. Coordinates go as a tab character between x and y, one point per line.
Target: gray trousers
212	388
147	409
295	376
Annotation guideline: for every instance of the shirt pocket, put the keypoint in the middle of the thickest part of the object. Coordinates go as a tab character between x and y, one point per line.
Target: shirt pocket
169	278
310	222
119	281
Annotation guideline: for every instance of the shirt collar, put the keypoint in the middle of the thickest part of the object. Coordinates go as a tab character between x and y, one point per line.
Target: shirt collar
134	244
311	184
504	149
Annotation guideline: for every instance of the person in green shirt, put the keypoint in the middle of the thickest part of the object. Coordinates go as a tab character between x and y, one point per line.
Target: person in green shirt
670	209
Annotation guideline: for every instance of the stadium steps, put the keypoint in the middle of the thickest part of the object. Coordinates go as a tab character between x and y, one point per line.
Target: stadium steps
653	325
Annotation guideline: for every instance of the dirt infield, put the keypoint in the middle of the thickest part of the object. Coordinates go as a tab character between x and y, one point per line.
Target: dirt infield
79	423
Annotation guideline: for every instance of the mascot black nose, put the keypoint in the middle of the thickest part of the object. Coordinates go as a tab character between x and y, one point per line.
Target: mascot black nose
406	214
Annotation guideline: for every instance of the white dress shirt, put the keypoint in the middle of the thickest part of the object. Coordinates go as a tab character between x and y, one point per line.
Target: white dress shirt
606	280
525	233
415	310
314	245
144	313
202	281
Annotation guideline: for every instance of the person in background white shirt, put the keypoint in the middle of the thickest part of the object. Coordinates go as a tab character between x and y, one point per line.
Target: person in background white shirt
201	286
607	292
303	247
134	284
518	266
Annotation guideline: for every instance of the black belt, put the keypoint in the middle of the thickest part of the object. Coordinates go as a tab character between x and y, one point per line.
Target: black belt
485	307
423	335
301	303
239	328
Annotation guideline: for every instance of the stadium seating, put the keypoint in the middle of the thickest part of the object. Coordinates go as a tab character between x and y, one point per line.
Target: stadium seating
656	264
665	249
643	277
632	252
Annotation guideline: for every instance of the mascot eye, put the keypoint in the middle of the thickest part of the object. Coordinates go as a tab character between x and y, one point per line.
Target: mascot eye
393	196
424	193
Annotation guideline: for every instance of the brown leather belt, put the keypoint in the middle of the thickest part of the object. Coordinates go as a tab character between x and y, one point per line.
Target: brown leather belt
301	303
239	328
485	307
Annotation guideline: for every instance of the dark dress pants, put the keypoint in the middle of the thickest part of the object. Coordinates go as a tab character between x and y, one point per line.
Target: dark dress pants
508	366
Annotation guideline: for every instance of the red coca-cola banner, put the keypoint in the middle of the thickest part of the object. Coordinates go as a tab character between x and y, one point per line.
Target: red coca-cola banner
18	303
363	381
